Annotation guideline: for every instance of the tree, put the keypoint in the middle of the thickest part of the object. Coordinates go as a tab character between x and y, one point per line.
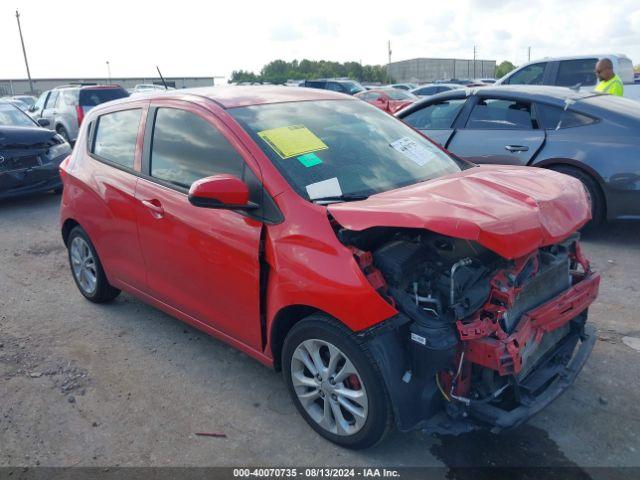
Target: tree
504	68
279	71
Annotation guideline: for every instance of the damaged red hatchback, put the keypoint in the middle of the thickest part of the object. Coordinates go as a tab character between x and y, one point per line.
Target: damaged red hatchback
390	282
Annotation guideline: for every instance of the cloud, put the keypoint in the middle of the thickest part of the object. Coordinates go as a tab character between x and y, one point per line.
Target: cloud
285	33
399	26
323	26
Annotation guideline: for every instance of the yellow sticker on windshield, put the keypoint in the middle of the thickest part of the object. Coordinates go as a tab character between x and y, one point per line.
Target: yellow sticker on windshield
292	141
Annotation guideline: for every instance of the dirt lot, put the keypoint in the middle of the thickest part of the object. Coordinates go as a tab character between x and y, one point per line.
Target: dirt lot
124	384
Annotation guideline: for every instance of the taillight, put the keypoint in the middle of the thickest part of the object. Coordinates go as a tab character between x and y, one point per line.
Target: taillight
63	167
80	113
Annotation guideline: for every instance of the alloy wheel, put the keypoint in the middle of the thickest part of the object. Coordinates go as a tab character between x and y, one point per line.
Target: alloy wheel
83	264
329	387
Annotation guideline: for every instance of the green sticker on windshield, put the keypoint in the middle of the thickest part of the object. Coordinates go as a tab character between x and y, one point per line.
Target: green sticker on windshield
309	160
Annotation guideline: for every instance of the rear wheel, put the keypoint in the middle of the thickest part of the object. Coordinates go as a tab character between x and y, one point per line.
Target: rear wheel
335	384
595	193
86	268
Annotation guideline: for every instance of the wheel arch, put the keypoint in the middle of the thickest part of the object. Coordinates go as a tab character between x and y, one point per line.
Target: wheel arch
568	162
68	225
282	323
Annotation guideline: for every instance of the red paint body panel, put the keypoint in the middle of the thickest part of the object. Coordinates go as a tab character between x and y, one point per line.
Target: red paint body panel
384	102
203	265
510	210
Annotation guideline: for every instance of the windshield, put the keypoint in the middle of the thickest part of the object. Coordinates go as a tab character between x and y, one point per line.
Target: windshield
91	97
335	148
353	87
11	116
395	94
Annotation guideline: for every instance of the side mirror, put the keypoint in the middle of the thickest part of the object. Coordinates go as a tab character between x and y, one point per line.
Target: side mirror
32	108
221	191
43	122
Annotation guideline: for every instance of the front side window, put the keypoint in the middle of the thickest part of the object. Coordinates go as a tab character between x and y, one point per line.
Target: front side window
39	105
530	75
116	135
342	148
574	72
51	101
186	148
438	116
498	114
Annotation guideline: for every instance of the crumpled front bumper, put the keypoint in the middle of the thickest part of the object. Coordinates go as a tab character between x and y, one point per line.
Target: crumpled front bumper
37	179
550	371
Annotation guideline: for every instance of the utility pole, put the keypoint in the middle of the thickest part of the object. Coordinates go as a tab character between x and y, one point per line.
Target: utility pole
389	49
529	54
474	61
109	71
24	52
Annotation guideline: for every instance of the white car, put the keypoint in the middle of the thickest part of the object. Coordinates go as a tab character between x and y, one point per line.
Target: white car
572	71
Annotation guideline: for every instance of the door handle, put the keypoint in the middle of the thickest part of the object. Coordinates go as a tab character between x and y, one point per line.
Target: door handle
155	206
516	148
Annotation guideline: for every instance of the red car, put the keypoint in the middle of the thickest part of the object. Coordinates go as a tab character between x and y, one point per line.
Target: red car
391	100
390	282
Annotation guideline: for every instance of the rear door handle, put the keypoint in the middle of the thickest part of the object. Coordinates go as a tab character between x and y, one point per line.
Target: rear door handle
516	148
155	206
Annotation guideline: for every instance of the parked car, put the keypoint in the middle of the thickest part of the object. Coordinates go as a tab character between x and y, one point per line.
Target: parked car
457	81
147	87
488	81
65	107
575	71
404	86
29	154
390	282
592	137
388	99
433	88
24	101
350	87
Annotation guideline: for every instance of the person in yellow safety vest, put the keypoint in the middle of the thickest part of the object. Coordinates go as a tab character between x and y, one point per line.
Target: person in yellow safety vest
609	82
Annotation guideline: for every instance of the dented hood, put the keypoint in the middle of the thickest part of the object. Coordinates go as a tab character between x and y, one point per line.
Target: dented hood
509	210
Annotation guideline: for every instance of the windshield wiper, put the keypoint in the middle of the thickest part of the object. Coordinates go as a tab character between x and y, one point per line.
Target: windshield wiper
345	197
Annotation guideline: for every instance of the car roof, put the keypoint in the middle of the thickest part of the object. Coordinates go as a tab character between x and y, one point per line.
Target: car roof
532	93
233	96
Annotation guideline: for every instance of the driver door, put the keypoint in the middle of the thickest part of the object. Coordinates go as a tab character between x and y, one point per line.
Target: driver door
202	262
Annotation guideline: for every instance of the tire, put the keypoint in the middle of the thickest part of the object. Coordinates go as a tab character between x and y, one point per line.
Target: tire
63	132
86	268
358	383
598	206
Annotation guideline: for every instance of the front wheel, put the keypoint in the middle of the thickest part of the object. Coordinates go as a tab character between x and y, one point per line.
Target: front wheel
335	384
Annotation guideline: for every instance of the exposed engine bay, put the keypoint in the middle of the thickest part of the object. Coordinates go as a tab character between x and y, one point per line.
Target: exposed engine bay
477	334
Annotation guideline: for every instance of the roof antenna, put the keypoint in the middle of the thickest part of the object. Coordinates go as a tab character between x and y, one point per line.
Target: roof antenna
162	78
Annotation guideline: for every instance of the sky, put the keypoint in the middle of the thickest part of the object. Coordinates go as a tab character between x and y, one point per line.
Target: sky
70	38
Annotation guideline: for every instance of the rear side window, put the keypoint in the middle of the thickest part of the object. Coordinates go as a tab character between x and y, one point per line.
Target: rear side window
530	75
116	135
439	116
498	114
555	117
90	97
573	72
186	148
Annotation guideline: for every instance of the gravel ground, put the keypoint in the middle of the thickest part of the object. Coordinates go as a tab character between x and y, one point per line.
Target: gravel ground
124	384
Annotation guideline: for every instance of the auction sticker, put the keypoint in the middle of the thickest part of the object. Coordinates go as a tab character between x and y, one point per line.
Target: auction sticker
292	141
416	153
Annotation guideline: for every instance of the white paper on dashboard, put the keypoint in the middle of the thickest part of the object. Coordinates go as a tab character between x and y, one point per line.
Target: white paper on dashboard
416	153
325	188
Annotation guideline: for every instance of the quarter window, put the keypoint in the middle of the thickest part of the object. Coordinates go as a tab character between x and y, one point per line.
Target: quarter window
439	116
116	135
185	148
554	117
